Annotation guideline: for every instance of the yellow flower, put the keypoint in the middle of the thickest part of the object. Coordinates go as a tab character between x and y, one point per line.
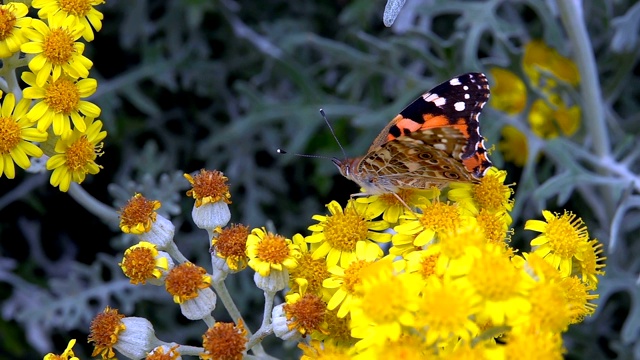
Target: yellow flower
502	287
313	271
61	102
447	308
66	355
385	303
16	132
549	121
317	350
56	49
343	283
81	10
592	262
538	58
490	194
76	155
269	252
509	94
12	23
418	229
142	262
529	343
514	146
344	231
564	237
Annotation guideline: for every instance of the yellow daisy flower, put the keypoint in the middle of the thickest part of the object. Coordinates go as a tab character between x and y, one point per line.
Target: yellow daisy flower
81	10
385	303
342	283
12	23
502	287
509	94
447	308
16	132
341	233
268	251
550	120
419	229
55	49
76	155
564	237
538	58
60	102
490	194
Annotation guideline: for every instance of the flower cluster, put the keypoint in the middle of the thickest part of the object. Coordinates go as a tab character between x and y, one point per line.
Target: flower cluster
426	272
438	278
550	111
51	117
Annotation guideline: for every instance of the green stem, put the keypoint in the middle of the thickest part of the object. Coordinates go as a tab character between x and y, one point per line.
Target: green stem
97	208
572	15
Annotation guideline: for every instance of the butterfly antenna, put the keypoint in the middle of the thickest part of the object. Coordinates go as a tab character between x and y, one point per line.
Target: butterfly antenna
324	116
282	152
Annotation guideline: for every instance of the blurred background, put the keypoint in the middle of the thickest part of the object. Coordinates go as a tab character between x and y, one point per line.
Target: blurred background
191	84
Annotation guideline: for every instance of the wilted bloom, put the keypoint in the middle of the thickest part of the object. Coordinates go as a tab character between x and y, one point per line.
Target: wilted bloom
225	341
189	286
211	192
133	337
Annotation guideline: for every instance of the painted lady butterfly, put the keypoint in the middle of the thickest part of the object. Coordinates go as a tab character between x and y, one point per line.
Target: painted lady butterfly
432	142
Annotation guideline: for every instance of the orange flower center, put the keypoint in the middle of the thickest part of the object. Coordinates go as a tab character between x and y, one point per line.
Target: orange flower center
224	341
62	96
307	313
184	281
9	135
58	46
344	230
80	153
139	211
138	265
78	8
7	22
104	331
273	249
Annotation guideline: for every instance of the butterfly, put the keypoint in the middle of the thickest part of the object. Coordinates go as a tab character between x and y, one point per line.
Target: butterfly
432	142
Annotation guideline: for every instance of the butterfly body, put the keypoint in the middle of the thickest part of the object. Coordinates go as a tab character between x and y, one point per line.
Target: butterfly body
432	142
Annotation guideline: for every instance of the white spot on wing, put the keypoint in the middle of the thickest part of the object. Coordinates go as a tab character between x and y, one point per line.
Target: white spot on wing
430	97
455	82
459	106
440	146
435	99
466	96
465	87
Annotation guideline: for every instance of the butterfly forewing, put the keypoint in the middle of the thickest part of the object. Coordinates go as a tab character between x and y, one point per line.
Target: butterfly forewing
433	141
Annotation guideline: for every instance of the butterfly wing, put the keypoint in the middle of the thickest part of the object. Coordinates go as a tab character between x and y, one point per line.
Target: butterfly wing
434	140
